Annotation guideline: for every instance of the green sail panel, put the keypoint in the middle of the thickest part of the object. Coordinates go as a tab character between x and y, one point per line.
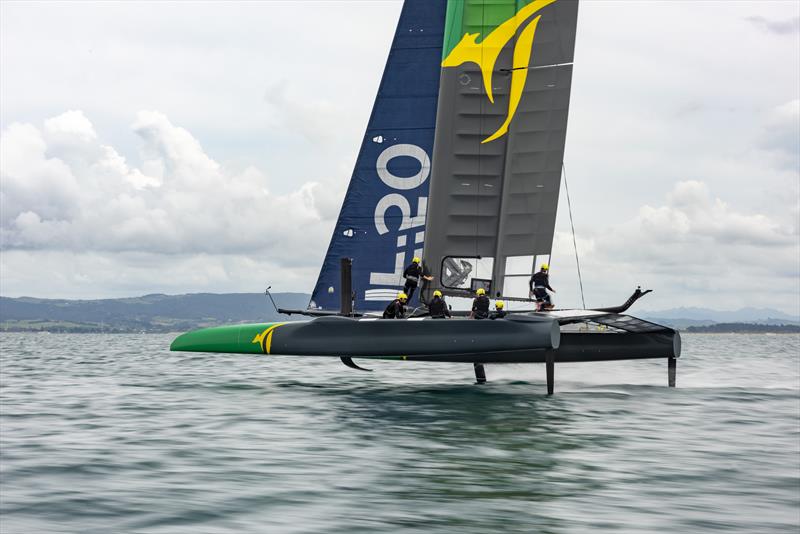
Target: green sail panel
500	133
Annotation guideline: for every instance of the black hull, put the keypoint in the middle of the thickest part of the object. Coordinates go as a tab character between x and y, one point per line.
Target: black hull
578	347
427	339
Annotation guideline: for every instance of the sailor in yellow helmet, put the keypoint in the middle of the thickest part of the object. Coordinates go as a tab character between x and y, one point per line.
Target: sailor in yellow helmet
413	274
397	308
539	285
499	310
480	305
438	307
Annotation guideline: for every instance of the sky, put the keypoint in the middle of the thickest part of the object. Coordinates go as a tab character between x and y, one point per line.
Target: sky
181	147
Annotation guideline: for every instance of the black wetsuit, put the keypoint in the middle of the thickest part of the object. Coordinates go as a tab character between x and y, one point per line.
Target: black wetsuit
539	284
395	310
480	307
438	308
412	274
498	314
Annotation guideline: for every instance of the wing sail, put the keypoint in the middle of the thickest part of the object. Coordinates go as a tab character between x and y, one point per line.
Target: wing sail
501	128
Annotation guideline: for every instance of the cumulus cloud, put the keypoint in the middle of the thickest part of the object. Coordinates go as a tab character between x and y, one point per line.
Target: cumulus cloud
694	230
692	214
71	127
64	190
32	181
257	178
695	249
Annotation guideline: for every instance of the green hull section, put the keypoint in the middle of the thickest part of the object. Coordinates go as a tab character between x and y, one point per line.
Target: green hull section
240	339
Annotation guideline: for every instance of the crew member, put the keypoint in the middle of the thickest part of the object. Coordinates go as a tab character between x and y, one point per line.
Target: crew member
539	285
397	308
413	274
438	307
480	305
499	311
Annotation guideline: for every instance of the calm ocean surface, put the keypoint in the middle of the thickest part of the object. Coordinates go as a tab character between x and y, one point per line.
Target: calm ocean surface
113	433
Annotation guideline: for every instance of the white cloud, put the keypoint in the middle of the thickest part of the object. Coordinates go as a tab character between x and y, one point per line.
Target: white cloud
208	77
73	125
90	200
700	92
694	250
691	213
32	181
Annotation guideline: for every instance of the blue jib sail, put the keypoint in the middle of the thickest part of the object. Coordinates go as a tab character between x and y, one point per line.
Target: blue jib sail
382	221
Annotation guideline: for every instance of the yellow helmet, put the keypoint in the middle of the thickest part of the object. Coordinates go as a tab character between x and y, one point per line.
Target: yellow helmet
480	291
545	267
499	304
402	296
437	293
416	259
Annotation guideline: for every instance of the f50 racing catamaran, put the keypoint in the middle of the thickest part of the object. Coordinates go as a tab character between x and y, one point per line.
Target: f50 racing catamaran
460	164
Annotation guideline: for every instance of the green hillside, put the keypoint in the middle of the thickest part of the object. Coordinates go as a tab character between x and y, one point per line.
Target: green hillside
150	313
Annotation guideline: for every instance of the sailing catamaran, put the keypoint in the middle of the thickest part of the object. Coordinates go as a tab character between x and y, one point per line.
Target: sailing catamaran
460	164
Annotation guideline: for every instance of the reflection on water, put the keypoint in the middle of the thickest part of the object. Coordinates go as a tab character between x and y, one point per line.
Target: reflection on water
116	434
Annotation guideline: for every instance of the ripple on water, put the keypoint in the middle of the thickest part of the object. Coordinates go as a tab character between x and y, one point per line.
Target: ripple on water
117	434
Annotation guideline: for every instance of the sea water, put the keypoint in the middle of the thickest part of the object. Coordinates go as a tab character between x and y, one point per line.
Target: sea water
114	433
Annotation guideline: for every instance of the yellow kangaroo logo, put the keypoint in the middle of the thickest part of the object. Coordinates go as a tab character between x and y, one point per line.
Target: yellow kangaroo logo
485	54
266	344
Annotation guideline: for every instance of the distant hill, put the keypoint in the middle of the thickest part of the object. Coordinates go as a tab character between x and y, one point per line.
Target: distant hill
150	313
680	324
178	313
745	328
688	317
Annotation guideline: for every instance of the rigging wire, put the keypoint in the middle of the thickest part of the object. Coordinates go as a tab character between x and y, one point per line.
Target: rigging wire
572	225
